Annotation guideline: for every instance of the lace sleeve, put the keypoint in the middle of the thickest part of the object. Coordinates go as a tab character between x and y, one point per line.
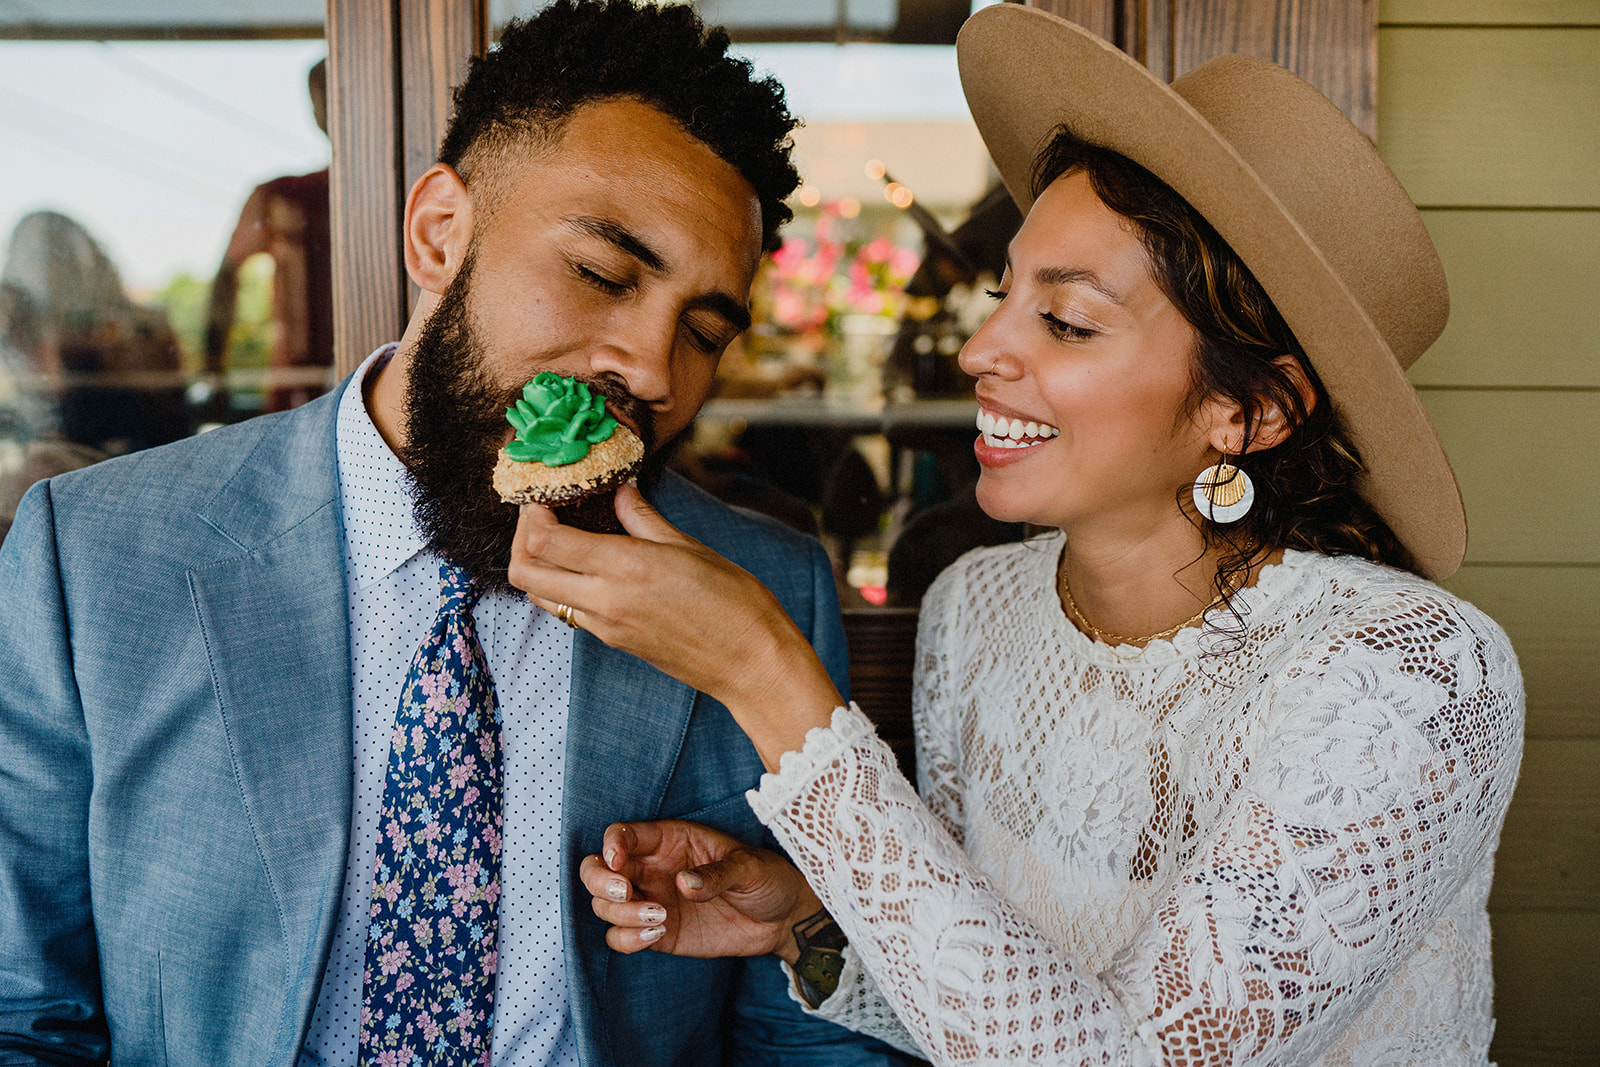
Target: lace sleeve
858	1003
1367	807
938	737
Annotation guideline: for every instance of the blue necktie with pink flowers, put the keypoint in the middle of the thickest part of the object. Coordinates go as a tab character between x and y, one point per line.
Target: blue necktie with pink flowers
428	985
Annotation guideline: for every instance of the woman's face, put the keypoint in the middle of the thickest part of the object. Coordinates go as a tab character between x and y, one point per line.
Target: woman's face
1083	371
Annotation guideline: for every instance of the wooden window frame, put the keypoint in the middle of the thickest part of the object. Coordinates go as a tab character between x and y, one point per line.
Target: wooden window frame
391	67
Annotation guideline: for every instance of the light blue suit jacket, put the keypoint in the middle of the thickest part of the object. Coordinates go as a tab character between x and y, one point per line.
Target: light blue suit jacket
175	769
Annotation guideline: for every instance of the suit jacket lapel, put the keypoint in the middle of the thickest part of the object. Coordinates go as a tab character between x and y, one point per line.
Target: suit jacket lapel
275	620
626	723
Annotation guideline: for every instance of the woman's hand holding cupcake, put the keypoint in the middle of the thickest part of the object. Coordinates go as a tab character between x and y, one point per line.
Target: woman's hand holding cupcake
668	599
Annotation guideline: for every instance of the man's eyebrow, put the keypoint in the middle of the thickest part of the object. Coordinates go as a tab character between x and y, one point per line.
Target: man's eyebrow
722	304
1076	276
630	243
622	238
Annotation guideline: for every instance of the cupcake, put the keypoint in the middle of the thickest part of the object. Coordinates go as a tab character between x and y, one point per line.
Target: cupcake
568	453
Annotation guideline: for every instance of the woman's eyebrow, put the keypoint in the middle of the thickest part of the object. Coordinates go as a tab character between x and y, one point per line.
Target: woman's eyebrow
1076	276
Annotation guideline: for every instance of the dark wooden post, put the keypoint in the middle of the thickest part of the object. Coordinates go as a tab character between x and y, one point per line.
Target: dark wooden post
391	65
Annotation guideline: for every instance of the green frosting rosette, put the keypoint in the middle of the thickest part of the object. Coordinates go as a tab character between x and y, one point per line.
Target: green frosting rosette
557	420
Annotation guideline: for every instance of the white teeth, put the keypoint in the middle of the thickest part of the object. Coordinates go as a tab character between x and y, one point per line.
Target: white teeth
1002	432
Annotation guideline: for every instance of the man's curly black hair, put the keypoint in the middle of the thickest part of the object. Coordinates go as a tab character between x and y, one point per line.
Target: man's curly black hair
577	52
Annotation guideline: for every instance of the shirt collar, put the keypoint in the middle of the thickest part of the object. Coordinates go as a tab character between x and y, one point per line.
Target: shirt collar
375	497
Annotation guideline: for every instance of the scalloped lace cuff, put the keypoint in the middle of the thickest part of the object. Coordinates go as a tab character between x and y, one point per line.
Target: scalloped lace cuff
796	770
834	1008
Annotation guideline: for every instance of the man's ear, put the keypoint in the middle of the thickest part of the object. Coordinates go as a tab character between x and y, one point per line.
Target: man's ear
438	228
1271	425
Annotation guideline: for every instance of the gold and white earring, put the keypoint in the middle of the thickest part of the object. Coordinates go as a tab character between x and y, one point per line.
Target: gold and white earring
1223	493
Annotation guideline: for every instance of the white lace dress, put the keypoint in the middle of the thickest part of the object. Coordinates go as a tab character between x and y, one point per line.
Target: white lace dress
1277	854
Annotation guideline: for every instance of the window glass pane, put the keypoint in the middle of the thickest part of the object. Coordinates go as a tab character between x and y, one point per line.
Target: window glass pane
161	19
132	163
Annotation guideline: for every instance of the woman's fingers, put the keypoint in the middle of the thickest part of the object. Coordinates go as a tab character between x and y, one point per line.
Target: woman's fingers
602	881
626	941
626	840
732	873
543	539
640	518
543	542
635	924
627	854
600	575
633	915
689	889
659	594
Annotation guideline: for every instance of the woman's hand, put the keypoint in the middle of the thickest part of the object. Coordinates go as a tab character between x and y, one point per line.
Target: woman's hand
687	889
673	602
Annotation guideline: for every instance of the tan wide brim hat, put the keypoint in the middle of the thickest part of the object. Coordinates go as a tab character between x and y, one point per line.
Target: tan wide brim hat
1293	187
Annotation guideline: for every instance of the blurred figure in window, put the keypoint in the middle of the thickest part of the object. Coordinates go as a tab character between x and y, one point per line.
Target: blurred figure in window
22	465
27	408
96	368
287	218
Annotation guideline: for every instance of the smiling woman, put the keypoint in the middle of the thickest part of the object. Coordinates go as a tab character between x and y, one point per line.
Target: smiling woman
1206	775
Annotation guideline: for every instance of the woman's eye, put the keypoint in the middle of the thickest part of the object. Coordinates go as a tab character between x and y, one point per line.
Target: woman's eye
1063	330
995	294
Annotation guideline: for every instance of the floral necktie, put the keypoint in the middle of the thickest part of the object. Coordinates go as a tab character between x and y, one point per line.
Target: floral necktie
428	984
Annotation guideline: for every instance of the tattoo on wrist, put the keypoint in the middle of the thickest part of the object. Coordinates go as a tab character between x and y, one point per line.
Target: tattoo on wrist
821	944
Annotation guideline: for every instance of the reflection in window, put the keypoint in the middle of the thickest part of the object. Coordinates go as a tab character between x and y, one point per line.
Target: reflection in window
131	163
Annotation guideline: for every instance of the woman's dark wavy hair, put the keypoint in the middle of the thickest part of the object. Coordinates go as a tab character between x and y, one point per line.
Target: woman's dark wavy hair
576	52
1306	495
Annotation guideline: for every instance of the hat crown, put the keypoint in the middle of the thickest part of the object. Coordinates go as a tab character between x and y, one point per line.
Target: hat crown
1334	186
1295	189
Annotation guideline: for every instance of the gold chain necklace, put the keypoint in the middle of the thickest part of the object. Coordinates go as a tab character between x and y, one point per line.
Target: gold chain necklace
1108	637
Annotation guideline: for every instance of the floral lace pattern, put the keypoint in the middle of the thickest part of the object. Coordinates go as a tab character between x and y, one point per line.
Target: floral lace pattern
1279	853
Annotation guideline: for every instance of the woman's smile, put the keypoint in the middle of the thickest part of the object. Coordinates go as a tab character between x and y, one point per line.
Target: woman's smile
1000	431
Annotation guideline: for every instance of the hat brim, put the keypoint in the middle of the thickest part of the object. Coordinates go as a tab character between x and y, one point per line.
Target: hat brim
1025	72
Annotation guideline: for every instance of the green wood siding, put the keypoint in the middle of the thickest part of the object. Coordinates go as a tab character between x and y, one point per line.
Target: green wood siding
1489	111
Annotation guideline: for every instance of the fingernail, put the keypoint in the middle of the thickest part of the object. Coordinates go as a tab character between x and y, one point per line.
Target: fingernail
617	889
611	858
693	881
652	933
652	913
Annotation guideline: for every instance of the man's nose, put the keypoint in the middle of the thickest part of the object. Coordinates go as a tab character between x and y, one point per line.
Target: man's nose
643	360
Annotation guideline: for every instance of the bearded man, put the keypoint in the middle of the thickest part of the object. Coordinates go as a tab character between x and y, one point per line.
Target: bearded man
205	793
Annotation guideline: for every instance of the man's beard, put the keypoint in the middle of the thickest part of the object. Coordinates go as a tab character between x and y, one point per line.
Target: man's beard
455	424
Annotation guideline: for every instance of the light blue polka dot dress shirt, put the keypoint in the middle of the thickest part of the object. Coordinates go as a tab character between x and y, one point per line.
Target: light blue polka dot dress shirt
393	585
